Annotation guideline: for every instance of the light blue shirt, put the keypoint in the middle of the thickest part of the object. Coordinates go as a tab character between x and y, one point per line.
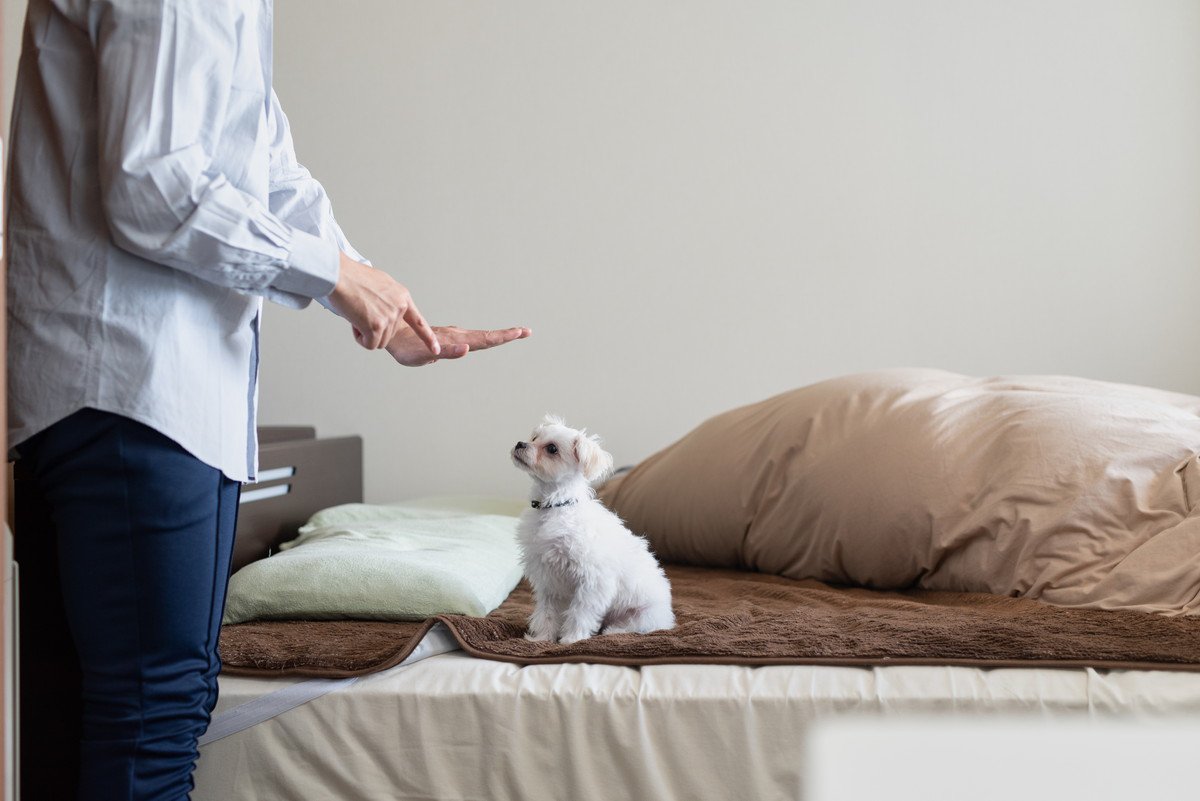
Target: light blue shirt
154	200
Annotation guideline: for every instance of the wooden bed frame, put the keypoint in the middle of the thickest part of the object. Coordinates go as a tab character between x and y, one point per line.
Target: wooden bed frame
298	475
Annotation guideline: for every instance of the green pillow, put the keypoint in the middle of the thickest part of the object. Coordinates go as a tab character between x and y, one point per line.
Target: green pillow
403	561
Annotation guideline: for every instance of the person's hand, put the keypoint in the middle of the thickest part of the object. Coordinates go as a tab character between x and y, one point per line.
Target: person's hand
378	308
408	349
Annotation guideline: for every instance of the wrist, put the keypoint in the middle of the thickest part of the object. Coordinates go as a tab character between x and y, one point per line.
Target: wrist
346	267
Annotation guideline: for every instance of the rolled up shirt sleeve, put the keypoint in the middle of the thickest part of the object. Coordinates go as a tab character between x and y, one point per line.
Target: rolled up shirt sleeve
164	83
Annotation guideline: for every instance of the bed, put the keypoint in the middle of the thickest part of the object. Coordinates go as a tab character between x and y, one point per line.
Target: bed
451	726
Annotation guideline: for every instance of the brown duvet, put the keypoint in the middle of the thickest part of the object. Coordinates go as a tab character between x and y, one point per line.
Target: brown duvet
739	618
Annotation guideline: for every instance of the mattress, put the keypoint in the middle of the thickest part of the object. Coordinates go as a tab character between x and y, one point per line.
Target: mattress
455	727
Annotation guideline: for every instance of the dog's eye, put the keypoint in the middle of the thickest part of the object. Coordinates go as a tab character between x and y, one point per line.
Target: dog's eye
551	449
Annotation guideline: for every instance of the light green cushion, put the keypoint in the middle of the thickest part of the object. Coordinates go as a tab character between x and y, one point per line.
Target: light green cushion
404	561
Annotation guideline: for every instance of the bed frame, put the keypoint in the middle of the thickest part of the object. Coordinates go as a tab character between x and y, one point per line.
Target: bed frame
298	475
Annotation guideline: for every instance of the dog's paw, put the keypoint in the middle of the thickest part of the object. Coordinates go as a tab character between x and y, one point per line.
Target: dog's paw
536	637
572	636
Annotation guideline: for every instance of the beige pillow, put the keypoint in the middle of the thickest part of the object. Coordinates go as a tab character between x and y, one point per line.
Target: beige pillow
1077	492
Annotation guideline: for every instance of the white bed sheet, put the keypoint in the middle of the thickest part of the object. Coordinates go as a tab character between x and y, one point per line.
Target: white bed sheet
456	727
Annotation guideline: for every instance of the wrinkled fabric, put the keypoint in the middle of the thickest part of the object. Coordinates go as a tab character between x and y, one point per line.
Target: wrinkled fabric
154	199
452	726
1074	492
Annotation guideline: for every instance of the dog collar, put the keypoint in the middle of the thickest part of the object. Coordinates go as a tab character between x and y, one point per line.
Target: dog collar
541	505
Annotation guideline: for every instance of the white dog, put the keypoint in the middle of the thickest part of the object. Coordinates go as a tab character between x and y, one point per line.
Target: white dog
589	573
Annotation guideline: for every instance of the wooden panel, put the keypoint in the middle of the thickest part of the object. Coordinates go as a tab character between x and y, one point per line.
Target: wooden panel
272	434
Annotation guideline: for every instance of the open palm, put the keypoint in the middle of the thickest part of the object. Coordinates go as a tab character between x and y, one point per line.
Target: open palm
408	349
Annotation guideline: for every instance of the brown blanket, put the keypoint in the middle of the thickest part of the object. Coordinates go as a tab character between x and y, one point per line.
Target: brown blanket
739	618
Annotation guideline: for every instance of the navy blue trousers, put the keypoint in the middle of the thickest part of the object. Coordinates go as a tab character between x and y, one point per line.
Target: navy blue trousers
123	541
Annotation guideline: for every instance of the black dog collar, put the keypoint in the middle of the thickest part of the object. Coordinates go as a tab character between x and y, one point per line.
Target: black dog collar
541	505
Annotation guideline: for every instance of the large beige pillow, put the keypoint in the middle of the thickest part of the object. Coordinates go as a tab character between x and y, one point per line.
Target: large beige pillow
1077	492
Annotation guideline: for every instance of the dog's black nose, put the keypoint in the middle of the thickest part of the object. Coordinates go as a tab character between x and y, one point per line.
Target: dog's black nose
520	446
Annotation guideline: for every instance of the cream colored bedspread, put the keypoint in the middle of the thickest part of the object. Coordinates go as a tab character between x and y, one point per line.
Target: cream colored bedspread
455	727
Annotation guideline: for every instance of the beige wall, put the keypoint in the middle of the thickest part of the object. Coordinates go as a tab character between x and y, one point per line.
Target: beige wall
696	204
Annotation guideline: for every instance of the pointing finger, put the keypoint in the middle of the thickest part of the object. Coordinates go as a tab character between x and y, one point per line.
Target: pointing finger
414	318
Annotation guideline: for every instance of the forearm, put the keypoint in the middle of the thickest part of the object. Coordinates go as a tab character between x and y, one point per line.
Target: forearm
212	230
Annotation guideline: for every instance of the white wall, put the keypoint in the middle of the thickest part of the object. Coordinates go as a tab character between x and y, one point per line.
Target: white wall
696	204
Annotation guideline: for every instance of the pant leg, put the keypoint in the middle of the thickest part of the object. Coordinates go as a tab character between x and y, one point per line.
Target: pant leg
51	704
144	536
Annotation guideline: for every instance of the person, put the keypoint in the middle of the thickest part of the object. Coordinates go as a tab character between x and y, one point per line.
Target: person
155	200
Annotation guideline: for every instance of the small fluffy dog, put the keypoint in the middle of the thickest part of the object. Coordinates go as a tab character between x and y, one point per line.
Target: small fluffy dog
589	573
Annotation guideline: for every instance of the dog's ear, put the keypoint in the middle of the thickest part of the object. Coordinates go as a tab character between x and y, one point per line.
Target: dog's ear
594	461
